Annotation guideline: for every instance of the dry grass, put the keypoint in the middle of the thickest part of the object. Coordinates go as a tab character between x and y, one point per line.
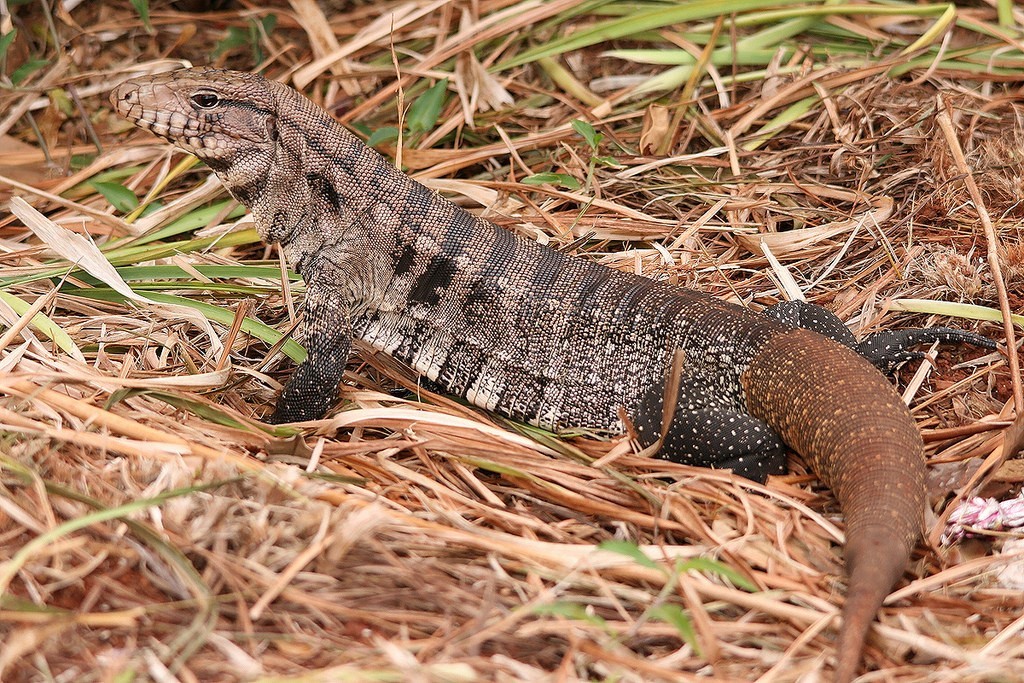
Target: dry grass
152	529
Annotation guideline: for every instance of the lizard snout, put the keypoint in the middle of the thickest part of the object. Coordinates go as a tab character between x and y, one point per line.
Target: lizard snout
124	96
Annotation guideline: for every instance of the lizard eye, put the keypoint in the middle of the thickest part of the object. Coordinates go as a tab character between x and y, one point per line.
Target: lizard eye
206	100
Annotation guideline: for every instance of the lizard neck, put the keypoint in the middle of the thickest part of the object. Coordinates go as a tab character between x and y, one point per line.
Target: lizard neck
319	185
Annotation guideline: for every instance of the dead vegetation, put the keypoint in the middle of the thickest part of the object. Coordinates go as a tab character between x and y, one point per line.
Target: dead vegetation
152	529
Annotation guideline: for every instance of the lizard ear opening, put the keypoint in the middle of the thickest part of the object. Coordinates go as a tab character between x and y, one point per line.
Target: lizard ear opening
272	128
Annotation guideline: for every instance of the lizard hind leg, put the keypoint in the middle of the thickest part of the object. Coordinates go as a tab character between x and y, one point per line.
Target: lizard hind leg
812	317
710	434
886	350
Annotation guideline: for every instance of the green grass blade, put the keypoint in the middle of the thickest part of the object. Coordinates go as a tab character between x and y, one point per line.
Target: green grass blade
130	255
934	32
632	551
953	310
792	113
250	326
44	325
12	566
630	25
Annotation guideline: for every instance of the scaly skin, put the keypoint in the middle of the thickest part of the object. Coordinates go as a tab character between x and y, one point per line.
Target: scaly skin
560	342
867	450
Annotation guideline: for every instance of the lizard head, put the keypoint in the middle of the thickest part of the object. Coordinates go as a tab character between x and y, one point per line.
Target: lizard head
220	116
267	143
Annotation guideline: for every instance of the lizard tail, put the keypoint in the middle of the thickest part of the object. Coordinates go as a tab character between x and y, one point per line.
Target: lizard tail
837	411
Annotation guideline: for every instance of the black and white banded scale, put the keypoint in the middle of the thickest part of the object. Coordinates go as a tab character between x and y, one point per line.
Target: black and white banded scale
528	332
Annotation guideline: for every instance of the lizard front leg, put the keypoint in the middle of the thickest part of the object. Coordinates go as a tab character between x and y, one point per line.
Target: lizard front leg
313	388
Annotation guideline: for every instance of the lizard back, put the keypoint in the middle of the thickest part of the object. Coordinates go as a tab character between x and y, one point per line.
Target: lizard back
528	332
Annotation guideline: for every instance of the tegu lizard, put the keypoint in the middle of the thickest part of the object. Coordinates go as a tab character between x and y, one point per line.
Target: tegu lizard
557	341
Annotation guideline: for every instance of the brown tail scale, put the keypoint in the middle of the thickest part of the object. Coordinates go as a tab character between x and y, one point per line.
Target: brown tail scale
841	414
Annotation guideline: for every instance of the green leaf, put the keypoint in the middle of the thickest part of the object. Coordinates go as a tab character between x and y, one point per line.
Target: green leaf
792	113
269	23
563	179
385	134
1004	11
5	42
127	675
151	207
142	7
426	109
570	610
80	161
632	551
498	468
141	250
86	187
258	30
13	602
209	413
196	218
592	137
251	35
119	196
703	564
145	273
134	253
677	617
236	37
336	478
27	69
